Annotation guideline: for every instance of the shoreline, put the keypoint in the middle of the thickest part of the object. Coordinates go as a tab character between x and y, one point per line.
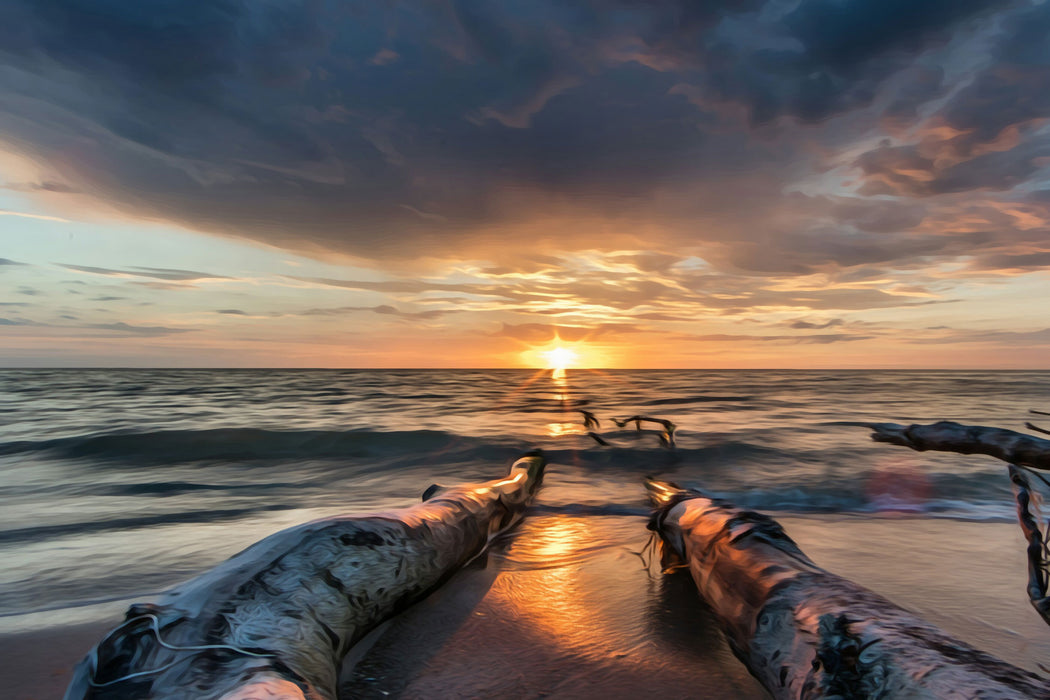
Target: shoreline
592	622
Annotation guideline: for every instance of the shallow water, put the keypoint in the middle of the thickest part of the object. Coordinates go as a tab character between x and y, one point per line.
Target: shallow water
116	484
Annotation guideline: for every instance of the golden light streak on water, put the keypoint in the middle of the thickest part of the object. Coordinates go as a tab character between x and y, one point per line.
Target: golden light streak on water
562	429
549	596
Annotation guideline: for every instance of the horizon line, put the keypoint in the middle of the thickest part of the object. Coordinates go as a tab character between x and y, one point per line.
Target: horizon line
533	369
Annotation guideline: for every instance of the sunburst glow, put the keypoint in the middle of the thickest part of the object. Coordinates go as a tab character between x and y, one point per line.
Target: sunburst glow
560	358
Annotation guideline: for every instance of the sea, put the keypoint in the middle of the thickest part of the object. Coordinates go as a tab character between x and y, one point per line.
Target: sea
116	484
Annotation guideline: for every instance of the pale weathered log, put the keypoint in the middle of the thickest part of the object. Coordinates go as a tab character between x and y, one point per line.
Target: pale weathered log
946	436
1037	563
806	633
276	620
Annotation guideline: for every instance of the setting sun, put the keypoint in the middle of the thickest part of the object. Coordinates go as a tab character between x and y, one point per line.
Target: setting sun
560	355
560	358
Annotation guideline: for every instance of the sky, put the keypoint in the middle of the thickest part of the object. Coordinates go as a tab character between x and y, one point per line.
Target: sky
468	183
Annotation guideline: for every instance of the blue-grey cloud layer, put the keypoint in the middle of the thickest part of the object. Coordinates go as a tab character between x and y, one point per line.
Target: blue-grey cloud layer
392	130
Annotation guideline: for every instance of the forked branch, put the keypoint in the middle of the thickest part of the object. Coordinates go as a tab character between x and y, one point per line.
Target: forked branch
946	436
666	436
1037	551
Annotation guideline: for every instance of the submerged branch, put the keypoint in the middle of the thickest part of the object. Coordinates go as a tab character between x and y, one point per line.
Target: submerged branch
1037	563
598	439
946	436
666	437
589	419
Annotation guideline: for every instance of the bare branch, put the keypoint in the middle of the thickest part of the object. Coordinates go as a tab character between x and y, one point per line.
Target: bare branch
1036	428
598	438
946	436
666	437
1037	571
589	419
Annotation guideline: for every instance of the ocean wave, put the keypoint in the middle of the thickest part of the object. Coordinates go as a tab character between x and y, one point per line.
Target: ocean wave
684	401
240	444
41	532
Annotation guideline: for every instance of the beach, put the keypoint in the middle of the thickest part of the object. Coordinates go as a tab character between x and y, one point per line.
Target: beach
596	623
117	485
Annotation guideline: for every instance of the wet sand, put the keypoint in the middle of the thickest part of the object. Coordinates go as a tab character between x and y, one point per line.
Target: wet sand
565	608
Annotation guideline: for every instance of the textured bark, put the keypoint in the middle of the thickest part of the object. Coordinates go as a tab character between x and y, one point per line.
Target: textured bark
280	616
1007	445
1037	571
806	633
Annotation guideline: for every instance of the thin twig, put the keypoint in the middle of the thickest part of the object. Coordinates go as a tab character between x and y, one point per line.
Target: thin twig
598	439
1036	428
589	419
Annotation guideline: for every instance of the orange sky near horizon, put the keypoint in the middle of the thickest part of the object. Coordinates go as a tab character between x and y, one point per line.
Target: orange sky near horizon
687	185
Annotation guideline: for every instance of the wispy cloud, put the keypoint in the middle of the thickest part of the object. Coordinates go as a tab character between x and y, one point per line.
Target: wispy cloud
159	273
27	215
127	329
543	333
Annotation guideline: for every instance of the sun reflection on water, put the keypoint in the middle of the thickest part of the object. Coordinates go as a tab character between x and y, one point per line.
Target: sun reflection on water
562	429
548	590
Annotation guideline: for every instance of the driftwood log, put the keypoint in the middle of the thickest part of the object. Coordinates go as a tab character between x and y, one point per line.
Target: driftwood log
946	436
806	633
276	620
1038	577
1018	450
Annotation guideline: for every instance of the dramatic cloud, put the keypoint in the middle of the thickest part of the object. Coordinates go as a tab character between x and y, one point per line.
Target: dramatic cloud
436	129
711	175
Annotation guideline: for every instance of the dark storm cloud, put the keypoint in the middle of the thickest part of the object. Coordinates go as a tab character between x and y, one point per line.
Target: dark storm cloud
987	134
907	170
396	130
